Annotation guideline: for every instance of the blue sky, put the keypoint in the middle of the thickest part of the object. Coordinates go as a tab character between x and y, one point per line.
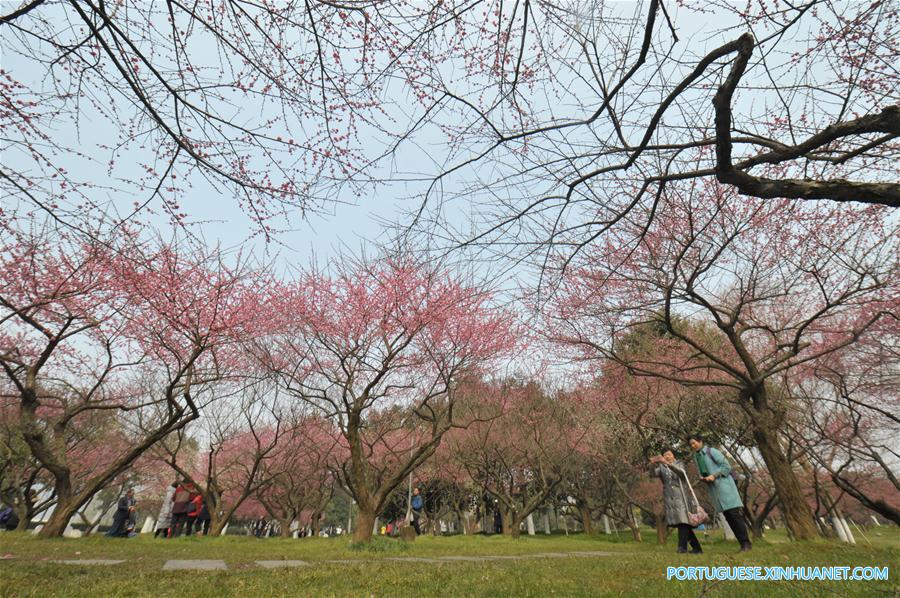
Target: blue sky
336	227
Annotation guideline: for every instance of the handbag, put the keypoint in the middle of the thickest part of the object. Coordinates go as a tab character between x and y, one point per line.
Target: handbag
699	516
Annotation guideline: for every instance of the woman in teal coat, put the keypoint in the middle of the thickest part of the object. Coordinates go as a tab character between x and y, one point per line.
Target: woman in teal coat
716	472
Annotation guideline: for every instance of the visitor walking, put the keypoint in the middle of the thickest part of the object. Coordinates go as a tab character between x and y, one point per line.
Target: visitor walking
164	520
125	509
203	520
678	502
194	512
417	505
181	506
716	472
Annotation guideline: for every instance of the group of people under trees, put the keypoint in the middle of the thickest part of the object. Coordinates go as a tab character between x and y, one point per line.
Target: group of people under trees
183	512
683	510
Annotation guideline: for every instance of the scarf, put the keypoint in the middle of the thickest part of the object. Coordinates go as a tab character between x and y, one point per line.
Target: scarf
701	464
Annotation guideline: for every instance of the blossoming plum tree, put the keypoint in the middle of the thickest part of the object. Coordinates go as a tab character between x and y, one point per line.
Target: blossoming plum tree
379	347
112	331
745	292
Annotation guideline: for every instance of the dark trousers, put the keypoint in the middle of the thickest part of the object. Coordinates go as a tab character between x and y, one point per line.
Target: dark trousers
164	531
685	535
179	521
415	515
189	528
735	519
203	525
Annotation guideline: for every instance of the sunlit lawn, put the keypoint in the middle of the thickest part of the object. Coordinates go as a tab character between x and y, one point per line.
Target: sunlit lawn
631	569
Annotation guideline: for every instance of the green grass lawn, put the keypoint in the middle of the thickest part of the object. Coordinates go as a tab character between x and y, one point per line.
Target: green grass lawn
631	569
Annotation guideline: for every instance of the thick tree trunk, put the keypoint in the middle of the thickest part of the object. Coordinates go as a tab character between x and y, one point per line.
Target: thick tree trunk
512	526
365	520
315	524
24	519
59	519
506	519
512	523
285	525
217	523
67	503
797	514
586	524
23	524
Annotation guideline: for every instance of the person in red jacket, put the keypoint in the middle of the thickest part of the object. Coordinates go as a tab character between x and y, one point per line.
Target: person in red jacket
194	512
181	506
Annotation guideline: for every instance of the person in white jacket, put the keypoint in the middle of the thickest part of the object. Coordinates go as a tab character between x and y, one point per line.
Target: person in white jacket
164	520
